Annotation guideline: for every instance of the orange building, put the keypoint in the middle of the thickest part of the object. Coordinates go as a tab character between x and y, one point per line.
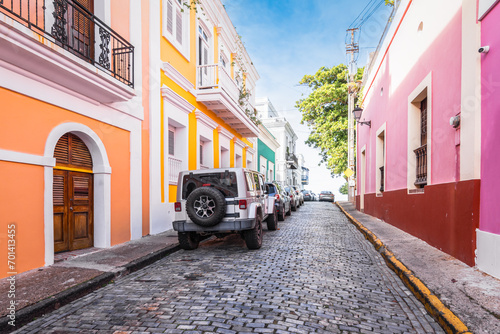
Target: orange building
102	104
72	143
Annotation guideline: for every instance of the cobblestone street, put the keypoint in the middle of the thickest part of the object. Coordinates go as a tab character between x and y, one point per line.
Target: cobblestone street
315	274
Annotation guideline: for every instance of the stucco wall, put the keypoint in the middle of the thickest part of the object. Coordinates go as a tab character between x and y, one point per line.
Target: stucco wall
490	159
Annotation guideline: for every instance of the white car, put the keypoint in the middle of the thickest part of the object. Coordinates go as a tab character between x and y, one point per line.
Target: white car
221	201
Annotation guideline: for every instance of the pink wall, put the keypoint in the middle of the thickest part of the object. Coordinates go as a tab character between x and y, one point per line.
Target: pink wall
490	123
443	59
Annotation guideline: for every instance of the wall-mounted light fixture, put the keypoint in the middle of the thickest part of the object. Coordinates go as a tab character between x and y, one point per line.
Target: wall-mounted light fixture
455	121
357	115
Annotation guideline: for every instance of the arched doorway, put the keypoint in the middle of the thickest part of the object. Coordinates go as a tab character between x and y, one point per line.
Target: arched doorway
72	195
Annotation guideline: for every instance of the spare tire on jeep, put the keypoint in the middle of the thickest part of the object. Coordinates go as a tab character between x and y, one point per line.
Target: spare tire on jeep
206	206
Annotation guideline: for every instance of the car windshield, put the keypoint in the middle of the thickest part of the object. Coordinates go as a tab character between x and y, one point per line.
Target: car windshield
326	192
224	182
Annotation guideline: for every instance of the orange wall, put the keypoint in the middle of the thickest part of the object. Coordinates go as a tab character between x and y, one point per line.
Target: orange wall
21	203
25	124
120	18
145	124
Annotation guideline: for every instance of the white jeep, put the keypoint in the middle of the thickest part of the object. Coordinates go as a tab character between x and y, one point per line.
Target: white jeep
221	201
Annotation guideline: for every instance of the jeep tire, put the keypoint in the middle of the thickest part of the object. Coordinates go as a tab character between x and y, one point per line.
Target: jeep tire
188	240
272	220
253	237
206	206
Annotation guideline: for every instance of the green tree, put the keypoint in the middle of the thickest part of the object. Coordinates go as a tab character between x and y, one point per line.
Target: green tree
344	189
324	110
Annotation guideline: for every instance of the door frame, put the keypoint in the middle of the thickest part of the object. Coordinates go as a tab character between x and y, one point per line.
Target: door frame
102	186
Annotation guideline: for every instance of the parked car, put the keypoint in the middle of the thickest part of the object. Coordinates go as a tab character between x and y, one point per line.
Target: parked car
299	193
326	196
307	195
282	200
294	198
221	201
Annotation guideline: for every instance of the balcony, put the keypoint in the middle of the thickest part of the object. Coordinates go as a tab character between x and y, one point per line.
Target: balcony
421	165
220	93
71	47
291	161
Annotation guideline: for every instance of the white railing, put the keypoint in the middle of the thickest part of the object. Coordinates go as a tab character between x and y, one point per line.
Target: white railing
174	167
215	76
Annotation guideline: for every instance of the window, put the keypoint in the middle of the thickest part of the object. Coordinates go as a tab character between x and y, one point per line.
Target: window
380	160
421	152
201	153
176	25
419	137
171	141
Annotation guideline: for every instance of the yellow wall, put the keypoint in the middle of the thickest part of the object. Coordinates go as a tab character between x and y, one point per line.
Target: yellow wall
188	69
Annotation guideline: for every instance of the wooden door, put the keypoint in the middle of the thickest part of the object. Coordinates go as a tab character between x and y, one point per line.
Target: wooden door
72	195
73	210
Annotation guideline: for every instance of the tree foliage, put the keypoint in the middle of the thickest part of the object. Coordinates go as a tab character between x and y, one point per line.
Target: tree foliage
344	189
325	112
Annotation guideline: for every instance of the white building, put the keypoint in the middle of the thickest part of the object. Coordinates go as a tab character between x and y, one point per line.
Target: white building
287	164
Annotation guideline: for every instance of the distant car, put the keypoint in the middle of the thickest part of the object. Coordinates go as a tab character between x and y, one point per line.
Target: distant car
282	200
293	197
307	195
326	196
299	193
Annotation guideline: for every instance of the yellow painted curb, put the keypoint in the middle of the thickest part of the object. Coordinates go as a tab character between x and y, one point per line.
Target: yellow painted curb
449	321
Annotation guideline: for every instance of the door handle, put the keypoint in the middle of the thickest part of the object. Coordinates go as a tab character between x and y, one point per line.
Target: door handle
71	208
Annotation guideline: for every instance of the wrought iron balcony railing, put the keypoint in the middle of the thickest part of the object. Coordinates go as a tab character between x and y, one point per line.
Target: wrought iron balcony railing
68	24
421	156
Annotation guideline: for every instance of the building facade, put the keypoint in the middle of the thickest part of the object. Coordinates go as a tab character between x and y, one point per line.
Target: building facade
70	126
201	101
287	163
488	233
418	163
266	153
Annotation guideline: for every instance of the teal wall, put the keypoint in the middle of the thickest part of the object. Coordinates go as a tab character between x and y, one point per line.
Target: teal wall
269	154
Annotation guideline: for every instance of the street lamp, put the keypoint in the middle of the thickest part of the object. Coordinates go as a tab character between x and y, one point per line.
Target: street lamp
357	115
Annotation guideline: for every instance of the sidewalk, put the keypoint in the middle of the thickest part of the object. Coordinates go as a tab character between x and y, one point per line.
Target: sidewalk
42	290
472	296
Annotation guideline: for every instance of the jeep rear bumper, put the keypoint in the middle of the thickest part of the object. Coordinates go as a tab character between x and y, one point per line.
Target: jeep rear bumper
233	225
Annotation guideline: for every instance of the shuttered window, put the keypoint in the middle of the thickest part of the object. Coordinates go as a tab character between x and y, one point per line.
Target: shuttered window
178	26
171	142
175	24
170	17
71	151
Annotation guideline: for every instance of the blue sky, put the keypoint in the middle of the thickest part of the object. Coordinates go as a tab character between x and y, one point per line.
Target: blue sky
290	38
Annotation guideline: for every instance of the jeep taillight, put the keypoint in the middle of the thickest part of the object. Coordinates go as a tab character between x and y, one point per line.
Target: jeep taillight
177	207
242	204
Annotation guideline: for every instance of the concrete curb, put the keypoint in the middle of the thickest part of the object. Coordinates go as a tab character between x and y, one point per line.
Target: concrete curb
449	321
29	313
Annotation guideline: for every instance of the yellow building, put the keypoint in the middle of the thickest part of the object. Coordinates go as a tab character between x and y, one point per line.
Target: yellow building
202	85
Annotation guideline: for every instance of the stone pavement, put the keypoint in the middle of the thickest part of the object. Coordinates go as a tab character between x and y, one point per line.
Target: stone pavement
317	273
42	290
470	294
473	296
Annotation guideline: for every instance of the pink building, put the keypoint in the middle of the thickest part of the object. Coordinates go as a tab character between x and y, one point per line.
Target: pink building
488	234
419	162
